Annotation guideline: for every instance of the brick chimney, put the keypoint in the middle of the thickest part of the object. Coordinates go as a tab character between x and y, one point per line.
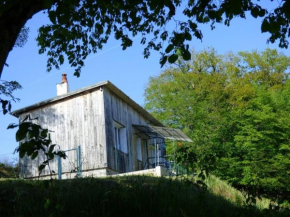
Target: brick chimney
62	88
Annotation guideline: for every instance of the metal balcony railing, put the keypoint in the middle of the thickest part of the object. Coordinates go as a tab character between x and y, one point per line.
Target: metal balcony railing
166	162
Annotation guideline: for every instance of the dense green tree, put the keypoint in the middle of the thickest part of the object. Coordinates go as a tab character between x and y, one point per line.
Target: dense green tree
261	141
236	110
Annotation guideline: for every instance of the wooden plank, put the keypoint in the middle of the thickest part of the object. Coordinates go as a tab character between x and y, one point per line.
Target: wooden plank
102	130
118	110
77	121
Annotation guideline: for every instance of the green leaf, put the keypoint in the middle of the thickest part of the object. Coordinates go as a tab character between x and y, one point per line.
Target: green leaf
262	12
51	156
52	16
5	111
192	25
11	126
50	150
186	55
47	204
64	19
46	142
169	48
172	58
31	146
34	155
255	12
188	36
30	135
41	167
163	60
61	154
212	14
265	26
61	59
198	34
77	73
44	133
4	104
163	36
274	27
35	130
21	153
22	131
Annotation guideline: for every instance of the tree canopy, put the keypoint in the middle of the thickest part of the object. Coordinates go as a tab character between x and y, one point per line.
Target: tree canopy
79	28
235	108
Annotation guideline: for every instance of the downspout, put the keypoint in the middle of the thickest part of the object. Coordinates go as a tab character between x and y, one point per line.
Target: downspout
155	151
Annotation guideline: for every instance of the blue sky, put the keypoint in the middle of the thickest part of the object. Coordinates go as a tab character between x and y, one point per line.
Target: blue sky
128	70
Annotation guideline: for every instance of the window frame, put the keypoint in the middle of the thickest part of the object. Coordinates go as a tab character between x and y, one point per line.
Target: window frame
120	137
139	149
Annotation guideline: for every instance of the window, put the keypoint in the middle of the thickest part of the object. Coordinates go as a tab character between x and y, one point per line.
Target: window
120	138
139	149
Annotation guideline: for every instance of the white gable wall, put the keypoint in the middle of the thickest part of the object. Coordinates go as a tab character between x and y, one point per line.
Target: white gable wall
74	121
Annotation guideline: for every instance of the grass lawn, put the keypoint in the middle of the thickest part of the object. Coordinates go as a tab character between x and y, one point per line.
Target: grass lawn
124	196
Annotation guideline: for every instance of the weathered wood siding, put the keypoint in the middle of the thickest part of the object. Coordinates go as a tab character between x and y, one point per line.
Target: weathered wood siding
118	110
78	120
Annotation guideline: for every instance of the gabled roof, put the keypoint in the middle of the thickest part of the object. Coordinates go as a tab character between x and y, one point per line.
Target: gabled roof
72	94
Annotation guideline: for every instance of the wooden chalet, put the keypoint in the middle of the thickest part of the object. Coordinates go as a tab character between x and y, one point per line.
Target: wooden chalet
102	130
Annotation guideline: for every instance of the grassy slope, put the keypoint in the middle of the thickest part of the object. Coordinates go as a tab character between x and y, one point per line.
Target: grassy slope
221	188
126	196
7	171
4	173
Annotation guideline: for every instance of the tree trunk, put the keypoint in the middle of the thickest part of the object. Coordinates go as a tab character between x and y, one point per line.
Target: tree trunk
13	16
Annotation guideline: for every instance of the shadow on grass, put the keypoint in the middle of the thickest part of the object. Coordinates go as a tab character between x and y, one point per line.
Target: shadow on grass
125	196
